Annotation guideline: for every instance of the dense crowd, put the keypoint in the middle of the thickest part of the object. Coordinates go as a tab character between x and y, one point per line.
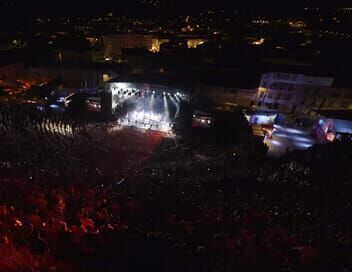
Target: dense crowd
106	198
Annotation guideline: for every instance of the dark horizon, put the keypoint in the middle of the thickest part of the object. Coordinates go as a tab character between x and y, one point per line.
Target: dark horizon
16	15
15	8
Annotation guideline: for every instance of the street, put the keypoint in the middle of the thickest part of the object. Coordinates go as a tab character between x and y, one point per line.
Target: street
285	139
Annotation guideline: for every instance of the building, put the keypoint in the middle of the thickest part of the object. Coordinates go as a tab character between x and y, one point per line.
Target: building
72	49
194	43
66	55
11	70
75	75
227	91
138	58
12	64
156	43
295	93
115	43
227	98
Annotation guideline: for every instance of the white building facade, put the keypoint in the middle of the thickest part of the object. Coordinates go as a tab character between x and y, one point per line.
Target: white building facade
115	43
298	93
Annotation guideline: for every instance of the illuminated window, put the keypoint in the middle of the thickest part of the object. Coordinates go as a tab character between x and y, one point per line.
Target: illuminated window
278	86
106	77
282	76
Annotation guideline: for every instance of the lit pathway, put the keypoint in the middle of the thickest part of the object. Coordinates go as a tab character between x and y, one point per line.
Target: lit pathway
288	138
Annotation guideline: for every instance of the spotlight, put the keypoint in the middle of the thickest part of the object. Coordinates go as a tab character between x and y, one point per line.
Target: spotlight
140	115
164	93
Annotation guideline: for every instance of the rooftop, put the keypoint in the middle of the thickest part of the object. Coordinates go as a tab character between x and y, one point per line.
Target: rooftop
118	67
246	80
11	57
342	77
176	80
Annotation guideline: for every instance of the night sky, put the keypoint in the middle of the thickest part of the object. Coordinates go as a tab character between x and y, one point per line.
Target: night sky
15	14
19	8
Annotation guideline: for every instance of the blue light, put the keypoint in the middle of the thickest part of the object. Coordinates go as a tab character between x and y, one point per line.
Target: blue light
274	142
303	145
41	108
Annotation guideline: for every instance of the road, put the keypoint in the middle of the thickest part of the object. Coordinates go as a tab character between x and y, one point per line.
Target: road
287	139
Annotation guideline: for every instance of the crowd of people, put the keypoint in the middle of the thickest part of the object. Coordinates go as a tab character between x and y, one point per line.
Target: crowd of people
108	198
